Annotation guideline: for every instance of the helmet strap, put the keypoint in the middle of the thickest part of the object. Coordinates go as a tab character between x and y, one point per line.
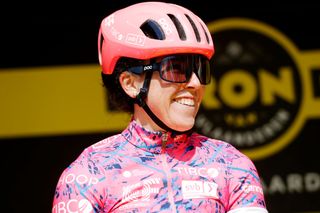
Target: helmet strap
140	100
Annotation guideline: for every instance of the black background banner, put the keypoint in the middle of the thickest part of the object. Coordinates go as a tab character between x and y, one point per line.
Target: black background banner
65	33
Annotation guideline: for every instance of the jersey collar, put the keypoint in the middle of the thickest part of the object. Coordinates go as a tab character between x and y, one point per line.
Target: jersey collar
152	141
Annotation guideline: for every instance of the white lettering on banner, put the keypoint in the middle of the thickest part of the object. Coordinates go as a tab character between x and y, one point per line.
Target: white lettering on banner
199	189
81	179
256	136
203	172
293	184
73	206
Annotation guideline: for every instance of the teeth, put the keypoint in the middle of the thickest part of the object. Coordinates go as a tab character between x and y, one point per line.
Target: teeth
185	101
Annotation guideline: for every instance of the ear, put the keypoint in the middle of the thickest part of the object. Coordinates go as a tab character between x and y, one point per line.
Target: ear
129	83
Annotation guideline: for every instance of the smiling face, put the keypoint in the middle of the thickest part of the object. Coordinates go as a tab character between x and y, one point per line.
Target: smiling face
175	104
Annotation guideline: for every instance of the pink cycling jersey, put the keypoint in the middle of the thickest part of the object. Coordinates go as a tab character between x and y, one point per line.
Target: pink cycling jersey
143	171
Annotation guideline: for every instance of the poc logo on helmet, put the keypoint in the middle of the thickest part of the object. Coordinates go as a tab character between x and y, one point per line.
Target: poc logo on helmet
254	101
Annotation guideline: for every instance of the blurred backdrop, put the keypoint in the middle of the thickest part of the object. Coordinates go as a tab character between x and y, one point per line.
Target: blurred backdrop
264	98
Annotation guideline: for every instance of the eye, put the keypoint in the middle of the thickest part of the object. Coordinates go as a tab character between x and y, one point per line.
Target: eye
177	71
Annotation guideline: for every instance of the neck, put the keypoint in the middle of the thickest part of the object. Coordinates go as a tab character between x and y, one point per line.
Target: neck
143	119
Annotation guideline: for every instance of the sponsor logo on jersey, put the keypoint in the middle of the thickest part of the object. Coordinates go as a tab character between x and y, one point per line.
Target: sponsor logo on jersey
138	194
78	178
195	171
199	189
247	188
73	206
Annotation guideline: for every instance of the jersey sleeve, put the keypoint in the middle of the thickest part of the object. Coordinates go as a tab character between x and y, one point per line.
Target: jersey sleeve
77	190
245	188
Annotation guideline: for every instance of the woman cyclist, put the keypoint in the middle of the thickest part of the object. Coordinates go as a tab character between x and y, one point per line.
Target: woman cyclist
155	65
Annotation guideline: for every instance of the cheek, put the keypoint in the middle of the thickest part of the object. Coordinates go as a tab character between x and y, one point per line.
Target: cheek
160	93
201	92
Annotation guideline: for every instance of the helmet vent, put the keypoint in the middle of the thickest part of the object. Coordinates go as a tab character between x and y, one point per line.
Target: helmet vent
196	32
179	27
152	30
207	37
101	41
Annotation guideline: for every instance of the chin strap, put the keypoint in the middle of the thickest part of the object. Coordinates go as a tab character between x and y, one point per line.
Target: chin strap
140	100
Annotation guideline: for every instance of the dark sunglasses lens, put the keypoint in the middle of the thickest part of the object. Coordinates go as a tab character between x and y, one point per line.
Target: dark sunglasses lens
173	69
202	69
179	68
206	72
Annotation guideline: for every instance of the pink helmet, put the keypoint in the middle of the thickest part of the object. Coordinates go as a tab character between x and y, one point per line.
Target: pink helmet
151	29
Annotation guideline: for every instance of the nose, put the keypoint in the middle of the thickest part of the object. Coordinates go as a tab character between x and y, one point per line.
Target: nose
194	81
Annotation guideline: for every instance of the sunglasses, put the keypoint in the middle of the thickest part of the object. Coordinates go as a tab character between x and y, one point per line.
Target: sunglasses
178	68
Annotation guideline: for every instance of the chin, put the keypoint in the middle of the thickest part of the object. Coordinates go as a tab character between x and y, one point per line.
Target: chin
184	124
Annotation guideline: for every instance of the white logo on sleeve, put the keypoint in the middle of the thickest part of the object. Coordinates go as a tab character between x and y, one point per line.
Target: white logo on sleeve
73	206
199	189
85	206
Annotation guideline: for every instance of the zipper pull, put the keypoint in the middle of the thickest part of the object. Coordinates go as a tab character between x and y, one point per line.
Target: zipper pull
164	139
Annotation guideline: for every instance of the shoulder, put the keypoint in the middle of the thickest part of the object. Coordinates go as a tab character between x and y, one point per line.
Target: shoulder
211	142
108	144
89	161
223	150
93	153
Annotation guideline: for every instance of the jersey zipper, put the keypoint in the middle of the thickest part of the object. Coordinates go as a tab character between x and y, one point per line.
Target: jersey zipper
167	171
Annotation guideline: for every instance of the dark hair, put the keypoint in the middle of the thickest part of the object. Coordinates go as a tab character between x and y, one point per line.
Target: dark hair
117	97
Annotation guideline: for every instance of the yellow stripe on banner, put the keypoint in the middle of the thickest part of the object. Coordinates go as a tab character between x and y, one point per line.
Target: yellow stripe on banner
53	101
311	61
